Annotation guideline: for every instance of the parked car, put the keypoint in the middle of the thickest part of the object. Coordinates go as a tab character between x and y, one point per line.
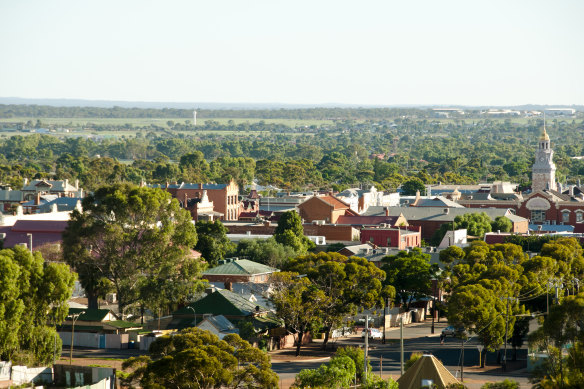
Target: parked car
452	331
374	333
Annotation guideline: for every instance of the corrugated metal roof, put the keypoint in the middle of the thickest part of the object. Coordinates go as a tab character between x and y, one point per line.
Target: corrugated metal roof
240	267
221	302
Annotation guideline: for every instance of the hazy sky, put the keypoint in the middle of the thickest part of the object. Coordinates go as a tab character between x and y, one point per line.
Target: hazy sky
383	52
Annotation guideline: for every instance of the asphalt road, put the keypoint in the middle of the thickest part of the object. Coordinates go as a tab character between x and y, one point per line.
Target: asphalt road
418	338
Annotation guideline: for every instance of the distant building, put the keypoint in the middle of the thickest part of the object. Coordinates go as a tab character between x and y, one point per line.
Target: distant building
36	189
544	169
392	237
225	197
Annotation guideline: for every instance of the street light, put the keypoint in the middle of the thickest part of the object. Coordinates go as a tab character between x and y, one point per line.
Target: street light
30	241
194	313
74	316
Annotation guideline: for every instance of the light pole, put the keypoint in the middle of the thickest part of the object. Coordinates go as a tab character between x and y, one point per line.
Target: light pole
74	316
29	241
194	313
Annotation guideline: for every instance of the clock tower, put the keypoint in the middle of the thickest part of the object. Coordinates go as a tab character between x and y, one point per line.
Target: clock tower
544	169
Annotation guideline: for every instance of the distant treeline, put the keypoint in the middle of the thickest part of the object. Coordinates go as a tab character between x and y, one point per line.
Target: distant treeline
46	111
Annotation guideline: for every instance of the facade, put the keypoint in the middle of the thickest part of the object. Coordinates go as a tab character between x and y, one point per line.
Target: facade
223	196
392	237
544	169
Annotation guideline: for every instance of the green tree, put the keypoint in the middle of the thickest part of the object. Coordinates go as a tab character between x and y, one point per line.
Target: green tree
139	240
298	303
501	223
213	242
411	186
561	330
410	273
290	232
269	252
506	384
33	300
338	373
350	283
197	359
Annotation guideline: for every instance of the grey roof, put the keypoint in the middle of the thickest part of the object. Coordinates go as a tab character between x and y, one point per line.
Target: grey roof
56	185
63	204
222	324
240	267
11	195
438	201
440	214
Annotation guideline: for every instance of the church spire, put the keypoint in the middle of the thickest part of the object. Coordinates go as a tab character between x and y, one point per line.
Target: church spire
544	134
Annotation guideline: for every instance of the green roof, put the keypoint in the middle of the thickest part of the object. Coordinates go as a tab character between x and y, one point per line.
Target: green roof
221	302
122	324
240	267
89	314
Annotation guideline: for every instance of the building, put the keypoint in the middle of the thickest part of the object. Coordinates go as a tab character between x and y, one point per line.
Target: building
544	169
327	208
392	237
36	189
225	197
239	270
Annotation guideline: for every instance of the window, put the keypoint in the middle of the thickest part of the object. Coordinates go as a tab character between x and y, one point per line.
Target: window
388	241
371	239
579	217
565	216
537	216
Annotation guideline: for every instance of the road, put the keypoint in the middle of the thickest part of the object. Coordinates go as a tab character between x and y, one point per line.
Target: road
417	338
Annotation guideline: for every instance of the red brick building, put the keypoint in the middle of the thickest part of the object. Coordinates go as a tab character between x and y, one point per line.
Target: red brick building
392	237
327	208
223	196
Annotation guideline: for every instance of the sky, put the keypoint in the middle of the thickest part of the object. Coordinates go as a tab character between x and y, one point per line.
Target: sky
416	52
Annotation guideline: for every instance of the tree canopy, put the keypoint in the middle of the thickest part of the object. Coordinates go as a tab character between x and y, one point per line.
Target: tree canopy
197	359
351	284
290	232
33	300
212	241
137	241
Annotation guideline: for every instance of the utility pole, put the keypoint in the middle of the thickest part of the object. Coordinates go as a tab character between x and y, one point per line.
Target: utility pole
462	361
506	331
366	345
401	344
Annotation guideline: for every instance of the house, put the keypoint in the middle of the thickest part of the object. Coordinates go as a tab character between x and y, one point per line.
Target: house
218	325
327	208
239	270
96	320
31	192
224	302
428	371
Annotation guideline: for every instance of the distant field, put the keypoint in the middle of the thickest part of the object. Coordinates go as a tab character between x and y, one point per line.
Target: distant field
162	122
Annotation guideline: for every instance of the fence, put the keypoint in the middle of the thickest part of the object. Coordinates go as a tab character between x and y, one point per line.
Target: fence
22	375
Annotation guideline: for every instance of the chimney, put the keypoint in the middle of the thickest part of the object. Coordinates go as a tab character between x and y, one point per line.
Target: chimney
66	184
77	184
37	200
228	286
386	209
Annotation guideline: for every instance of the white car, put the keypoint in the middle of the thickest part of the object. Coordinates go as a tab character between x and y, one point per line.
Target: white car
374	333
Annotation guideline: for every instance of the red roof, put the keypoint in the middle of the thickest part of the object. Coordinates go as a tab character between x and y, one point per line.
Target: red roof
335	202
43	232
39	226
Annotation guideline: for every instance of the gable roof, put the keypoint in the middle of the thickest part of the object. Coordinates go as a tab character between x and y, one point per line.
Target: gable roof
240	267
438	201
221	302
367	220
335	202
428	367
89	314
439	214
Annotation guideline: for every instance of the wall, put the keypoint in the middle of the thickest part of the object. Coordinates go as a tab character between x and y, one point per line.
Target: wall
82	339
315	209
84	376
